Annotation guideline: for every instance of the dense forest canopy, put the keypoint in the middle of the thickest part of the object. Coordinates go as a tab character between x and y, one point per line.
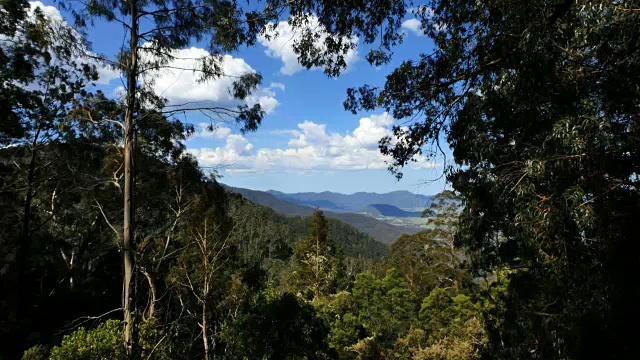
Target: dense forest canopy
116	244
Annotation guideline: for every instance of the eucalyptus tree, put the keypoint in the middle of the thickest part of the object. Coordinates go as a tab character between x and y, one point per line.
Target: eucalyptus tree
19	59
539	102
42	77
316	266
155	28
174	24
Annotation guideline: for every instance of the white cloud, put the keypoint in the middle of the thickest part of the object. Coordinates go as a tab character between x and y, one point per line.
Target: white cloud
179	81
281	46
106	74
277	85
266	97
413	25
235	154
238	144
422	13
310	148
205	130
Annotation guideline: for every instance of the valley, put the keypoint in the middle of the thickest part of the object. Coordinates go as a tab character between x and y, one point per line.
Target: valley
385	217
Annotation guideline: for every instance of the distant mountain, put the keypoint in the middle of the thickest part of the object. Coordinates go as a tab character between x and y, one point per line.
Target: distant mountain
378	210
277	204
379	230
353	202
322	204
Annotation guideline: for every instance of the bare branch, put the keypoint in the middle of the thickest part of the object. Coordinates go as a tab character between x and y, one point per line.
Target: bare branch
106	219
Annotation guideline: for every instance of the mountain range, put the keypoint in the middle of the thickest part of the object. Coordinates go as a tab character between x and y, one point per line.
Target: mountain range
292	206
356	202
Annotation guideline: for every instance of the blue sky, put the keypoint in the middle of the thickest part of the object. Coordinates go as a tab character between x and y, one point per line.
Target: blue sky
307	142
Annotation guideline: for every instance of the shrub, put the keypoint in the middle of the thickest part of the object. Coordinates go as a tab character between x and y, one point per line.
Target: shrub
37	352
101	343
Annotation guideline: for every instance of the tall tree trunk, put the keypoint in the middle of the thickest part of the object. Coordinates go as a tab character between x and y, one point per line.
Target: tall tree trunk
205	292
21	296
128	241
205	338
452	257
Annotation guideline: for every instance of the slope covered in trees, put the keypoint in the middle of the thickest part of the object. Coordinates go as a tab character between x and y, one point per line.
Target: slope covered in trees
350	240
377	229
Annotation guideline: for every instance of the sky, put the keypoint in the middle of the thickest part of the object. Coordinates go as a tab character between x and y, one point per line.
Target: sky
307	141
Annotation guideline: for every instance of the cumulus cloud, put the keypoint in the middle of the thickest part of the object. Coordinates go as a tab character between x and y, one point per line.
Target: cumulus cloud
179	81
310	148
281	46
207	131
422	12
414	25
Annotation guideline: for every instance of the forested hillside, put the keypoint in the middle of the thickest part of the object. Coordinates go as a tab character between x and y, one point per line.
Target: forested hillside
377	229
352	242
117	240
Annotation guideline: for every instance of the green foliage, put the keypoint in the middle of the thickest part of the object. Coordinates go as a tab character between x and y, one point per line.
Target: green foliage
538	101
426	261
345	236
316	266
439	309
277	326
372	316
453	327
430	258
103	342
339	311
38	352
463	341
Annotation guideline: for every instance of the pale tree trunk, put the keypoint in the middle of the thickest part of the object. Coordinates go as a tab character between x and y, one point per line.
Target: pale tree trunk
128	241
205	292
318	275
205	339
452	258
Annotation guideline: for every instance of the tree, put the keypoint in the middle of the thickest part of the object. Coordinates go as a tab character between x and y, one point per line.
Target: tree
23	46
175	24
43	77
99	343
430	257
277	326
206	251
538	102
316	266
368	321
453	325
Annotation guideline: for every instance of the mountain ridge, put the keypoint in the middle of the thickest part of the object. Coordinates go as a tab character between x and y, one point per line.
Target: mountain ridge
379	230
355	202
